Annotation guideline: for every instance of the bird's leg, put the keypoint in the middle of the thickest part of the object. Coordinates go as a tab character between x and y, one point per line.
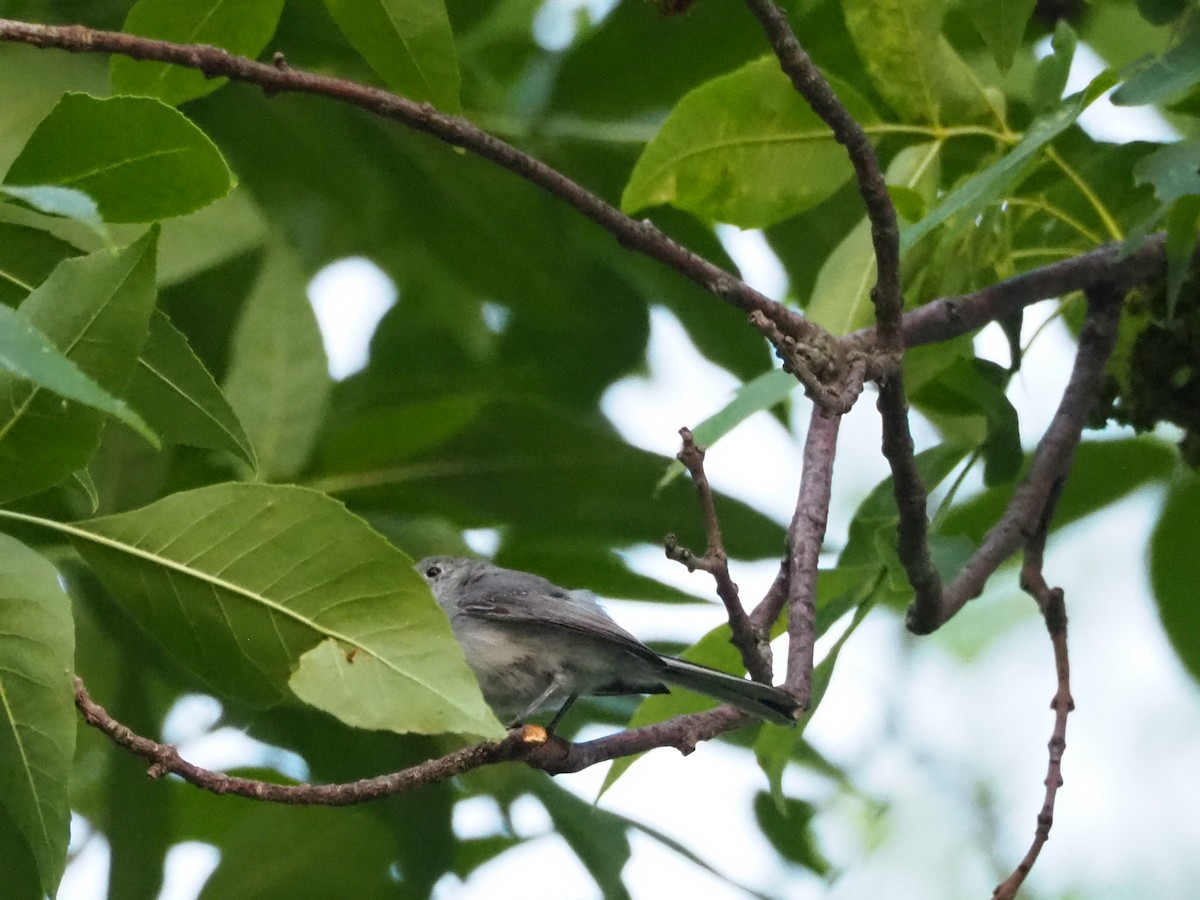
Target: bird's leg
561	712
541	700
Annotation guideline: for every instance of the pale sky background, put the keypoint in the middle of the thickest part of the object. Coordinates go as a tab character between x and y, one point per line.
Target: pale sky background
922	734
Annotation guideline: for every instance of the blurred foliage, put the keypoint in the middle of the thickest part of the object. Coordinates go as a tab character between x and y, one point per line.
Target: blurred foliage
256	520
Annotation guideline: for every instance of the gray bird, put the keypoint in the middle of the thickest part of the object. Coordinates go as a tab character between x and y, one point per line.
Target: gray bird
532	644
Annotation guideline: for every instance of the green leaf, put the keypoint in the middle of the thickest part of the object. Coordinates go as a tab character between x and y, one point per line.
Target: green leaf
1002	24
986	187
1183	225
37	706
278	381
95	309
841	298
28	354
909	60
27	257
1050	77
1174	72
139	159
1172	170
407	42
1102	473
240	26
790	830
1175	570
756	395
743	148
969	387
256	588
53	200
598	838
177	395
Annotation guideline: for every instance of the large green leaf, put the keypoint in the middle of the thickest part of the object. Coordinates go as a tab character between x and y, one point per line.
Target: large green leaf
1166	77
909	60
407	42
239	26
138	158
598	837
37	708
95	310
743	148
28	354
278	381
174	391
258	588
1175	570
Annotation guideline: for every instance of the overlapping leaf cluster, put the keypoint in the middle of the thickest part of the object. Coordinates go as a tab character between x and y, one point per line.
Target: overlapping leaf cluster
226	518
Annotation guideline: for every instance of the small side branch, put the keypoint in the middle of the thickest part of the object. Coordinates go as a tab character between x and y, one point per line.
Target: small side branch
1054	612
753	646
1050	464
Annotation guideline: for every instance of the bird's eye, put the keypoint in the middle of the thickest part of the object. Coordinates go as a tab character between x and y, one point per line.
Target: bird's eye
433	572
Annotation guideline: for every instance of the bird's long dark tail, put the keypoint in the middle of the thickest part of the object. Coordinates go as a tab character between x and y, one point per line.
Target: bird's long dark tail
750	697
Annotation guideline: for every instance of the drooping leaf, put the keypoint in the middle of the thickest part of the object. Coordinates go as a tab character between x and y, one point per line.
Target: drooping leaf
138	158
1002	24
95	310
278	380
261	588
745	149
409	44
598	838
240	26
174	391
28	354
1050	77
37	715
1175	570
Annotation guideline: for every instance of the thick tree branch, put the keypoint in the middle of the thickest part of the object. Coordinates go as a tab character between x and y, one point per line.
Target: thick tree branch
754	647
1050	464
640	236
529	744
806	534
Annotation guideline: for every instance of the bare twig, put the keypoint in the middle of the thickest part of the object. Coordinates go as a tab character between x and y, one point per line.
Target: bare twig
278	77
754	648
1054	612
530	744
1050	464
806	534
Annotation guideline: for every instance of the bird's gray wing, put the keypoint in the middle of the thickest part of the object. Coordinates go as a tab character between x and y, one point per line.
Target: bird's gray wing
497	596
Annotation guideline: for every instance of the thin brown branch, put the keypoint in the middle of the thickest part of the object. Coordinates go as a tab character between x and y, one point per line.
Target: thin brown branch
885	236
640	236
889	346
806	534
941	320
755	648
1054	612
529	744
1051	461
